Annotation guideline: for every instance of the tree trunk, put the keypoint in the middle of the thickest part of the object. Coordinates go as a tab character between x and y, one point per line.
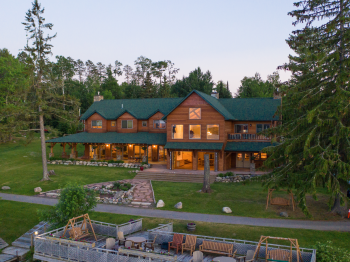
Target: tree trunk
206	182
43	146
337	208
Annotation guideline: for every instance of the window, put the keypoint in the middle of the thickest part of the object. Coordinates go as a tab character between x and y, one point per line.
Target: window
96	123
195	132
144	123
177	131
213	132
158	124
113	123
127	124
263	155
256	156
243	128
195	113
262	127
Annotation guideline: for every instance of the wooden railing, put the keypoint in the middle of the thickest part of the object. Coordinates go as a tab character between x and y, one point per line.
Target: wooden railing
247	137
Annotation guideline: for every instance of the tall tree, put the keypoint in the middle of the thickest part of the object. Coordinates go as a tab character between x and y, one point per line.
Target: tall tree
80	68
101	71
223	90
164	88
316	107
256	87
149	90
117	68
128	73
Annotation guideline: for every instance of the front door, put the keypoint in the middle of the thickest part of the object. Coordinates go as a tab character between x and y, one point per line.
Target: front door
243	160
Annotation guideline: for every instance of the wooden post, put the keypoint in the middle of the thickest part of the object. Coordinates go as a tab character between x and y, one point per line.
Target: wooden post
206	182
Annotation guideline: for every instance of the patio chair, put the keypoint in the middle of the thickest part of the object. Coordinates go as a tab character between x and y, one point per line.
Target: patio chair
190	244
249	257
176	243
128	244
150	243
197	256
121	238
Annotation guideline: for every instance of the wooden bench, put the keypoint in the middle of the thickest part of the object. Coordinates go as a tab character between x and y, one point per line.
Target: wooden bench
280	201
278	255
77	233
217	248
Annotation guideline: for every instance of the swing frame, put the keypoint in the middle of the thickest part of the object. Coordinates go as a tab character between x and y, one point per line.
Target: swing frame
79	232
279	200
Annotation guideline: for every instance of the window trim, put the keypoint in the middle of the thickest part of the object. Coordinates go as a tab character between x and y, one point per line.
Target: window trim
144	122
200	131
200	113
172	134
207	131
154	122
127	121
92	126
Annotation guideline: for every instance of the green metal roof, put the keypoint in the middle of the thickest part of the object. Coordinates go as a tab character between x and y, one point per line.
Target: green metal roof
113	137
246	146
194	145
138	108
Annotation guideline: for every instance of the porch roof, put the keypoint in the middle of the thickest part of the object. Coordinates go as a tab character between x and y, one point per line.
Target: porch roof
194	145
246	146
113	137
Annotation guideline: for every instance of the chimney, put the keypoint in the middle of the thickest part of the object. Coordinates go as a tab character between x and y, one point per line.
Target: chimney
98	97
215	94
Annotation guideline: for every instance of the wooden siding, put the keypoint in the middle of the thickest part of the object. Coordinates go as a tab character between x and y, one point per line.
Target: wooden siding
251	125
126	116
88	122
111	128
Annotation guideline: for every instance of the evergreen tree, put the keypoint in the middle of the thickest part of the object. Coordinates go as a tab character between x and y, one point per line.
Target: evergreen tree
111	85
149	90
164	88
315	145
256	87
223	90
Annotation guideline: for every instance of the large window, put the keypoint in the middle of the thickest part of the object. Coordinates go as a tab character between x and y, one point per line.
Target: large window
213	132
177	131
195	113
96	123
242	128
158	124
127	124
195	132
262	127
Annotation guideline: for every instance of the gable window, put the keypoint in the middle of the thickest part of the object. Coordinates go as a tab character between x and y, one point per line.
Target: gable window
242	128
113	123
213	132
127	124
144	123
195	113
158	124
262	127
195	132
96	124
177	131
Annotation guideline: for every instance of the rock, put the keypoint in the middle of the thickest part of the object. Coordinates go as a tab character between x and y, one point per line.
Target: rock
284	214
5	188
52	173
178	205
37	190
160	203
226	210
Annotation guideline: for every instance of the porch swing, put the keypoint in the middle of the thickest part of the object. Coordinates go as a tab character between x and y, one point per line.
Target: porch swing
79	232
280	201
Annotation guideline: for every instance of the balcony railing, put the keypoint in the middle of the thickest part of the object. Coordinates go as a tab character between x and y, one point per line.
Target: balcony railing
248	137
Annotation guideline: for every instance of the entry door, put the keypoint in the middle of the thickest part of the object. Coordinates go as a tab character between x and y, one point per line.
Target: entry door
243	160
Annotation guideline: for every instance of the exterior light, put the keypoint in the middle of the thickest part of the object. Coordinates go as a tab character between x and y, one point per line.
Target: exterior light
154	146
36	233
107	144
129	145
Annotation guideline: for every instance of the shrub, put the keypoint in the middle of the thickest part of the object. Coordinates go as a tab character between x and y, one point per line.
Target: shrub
327	252
75	200
128	185
116	185
221	175
144	163
229	174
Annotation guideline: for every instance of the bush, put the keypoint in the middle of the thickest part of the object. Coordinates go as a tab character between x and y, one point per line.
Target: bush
221	175
144	163
114	161
116	185
128	185
229	174
327	252
75	200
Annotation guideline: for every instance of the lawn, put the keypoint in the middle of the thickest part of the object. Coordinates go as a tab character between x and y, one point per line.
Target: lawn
21	169
17	218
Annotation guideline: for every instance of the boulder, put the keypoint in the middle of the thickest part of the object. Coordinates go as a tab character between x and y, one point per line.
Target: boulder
52	173
37	190
284	214
5	188
226	210
160	203
178	205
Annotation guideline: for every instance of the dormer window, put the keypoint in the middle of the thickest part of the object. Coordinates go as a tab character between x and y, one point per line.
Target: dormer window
195	113
127	124
96	124
158	124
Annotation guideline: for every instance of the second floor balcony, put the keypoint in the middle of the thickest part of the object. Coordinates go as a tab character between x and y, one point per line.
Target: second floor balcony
247	137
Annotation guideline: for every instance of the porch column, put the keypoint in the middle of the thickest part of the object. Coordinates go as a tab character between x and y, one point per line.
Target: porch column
51	154
64	155
108	154
75	150
194	160
87	151
169	160
72	154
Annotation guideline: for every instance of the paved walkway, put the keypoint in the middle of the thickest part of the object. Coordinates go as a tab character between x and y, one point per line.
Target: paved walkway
226	219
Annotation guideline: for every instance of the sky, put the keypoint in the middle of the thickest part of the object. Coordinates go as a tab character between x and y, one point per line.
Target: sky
230	38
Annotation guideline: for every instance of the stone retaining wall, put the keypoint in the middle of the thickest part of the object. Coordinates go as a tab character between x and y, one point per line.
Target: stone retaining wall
234	178
92	163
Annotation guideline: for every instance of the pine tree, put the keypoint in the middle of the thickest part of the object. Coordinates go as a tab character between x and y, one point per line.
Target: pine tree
148	87
315	144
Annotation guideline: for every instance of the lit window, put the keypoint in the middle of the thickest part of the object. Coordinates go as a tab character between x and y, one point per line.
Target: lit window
263	155
195	113
113	123
262	127
241	128
127	124
144	123
96	123
213	132
256	156
195	132
158	124
177	131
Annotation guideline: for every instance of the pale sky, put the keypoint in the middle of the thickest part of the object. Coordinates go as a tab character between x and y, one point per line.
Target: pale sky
230	38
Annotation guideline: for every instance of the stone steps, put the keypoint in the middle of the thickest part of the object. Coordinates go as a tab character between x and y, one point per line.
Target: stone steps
16	251
191	178
7	258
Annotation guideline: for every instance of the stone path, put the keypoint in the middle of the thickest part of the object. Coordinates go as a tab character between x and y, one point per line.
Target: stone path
142	193
3	244
225	219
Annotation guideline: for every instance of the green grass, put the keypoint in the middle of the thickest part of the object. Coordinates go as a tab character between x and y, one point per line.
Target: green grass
17	218
21	169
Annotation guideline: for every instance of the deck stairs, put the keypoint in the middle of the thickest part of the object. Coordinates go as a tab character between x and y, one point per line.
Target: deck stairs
178	177
21	246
